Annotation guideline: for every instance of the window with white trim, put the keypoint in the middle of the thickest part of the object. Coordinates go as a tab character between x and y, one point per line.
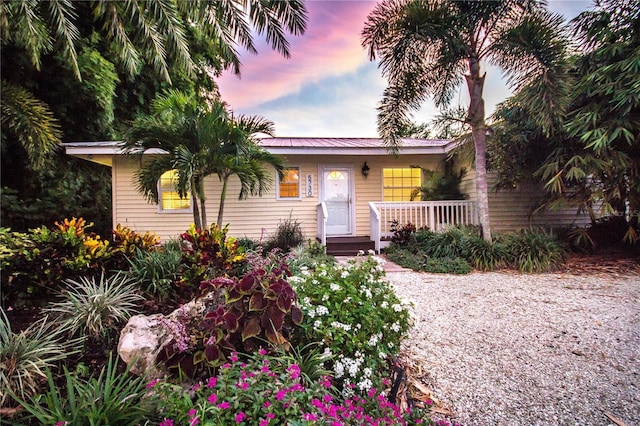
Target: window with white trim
399	183
168	198
289	185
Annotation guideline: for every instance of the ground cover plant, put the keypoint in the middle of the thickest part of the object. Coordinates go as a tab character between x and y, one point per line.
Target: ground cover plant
270	389
458	249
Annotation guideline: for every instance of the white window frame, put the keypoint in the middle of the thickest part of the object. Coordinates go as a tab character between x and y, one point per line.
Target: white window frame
299	197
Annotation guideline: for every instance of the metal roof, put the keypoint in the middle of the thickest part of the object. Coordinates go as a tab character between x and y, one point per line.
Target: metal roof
301	146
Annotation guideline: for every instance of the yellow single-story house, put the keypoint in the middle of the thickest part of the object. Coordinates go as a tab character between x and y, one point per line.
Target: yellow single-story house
338	189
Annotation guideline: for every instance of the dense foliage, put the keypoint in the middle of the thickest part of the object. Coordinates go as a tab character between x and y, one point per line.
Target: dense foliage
458	249
585	151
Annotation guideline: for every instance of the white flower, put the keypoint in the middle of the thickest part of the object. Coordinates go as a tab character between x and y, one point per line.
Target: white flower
322	310
396	307
325	297
382	355
311	312
371	252
384	304
334	287
317	324
367	372
338	368
323	273
344	274
360	252
365	385
395	327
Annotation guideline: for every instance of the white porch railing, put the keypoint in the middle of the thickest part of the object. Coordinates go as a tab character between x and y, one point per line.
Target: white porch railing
435	215
322	223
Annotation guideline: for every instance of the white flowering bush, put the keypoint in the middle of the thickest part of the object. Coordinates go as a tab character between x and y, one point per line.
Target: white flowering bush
355	312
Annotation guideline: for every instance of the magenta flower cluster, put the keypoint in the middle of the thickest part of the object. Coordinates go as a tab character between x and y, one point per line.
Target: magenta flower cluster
268	391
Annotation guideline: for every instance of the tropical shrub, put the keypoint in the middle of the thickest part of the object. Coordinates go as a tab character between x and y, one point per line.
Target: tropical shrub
126	242
288	235
95	308
155	272
208	253
356	314
269	390
533	250
25	356
111	398
242	315
402	234
420	262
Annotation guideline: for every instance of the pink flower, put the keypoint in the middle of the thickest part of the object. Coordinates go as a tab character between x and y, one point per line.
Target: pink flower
309	417
262	351
294	371
233	357
224	405
196	387
149	385
242	385
212	382
192	412
271	416
267	404
63	423
165	422
213	398
263	422
281	394
240	417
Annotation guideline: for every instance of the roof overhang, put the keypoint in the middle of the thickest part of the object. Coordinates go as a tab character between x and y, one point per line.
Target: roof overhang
102	152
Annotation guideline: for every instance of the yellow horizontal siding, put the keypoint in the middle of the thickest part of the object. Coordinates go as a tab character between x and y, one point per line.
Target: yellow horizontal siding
257	217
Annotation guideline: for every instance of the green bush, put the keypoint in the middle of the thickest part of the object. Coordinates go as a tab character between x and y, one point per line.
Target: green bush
96	308
112	398
533	250
155	272
309	256
420	262
357	316
25	356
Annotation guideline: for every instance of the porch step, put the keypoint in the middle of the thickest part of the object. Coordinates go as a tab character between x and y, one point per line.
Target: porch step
348	246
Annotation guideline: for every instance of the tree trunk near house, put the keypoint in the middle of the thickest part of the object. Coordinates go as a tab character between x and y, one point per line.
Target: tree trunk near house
223	196
475	85
196	211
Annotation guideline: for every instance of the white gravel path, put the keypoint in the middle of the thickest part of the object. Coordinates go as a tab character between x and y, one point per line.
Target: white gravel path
542	349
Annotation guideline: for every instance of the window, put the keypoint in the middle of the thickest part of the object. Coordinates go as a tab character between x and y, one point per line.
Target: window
399	183
168	197
289	184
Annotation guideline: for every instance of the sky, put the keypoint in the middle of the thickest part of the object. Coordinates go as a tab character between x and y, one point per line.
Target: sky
329	88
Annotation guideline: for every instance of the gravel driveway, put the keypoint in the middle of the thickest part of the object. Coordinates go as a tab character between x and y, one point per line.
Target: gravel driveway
543	349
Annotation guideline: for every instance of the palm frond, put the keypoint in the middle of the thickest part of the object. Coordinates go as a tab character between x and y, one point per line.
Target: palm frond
31	121
66	33
23	25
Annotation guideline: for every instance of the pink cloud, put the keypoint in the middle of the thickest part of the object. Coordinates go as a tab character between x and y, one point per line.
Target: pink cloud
330	47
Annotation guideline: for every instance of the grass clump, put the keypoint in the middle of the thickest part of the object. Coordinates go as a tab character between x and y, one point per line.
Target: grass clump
25	356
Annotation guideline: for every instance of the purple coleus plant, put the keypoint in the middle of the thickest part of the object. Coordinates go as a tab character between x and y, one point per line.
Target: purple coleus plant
260	307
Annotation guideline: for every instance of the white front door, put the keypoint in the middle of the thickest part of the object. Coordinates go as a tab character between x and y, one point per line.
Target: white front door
337	195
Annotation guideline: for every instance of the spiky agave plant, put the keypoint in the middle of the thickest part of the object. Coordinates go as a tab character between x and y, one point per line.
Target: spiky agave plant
25	356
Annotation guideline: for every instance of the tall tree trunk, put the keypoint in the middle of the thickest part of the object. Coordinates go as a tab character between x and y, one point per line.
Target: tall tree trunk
223	196
196	211
475	84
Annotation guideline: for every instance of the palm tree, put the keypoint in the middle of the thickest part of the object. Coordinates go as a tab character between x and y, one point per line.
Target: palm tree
136	33
426	47
202	139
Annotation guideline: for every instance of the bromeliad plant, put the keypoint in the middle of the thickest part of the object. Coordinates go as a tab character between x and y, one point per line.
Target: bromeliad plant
357	315
242	315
